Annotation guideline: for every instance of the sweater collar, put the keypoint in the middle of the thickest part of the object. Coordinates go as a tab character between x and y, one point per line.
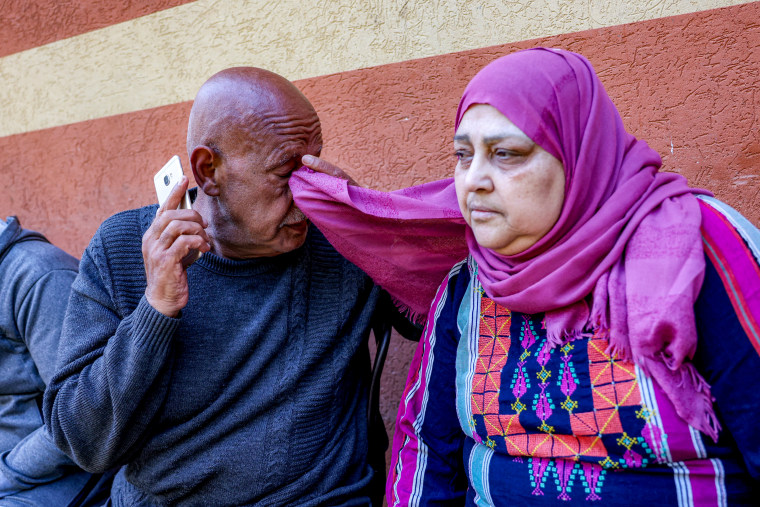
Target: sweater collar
248	267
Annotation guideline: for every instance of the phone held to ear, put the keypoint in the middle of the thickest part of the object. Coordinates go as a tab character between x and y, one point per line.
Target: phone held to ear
166	178
164	181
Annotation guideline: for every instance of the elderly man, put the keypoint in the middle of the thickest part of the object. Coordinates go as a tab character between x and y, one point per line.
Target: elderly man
241	379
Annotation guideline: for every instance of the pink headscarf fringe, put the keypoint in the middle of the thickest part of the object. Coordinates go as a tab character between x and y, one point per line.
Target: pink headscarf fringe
408	312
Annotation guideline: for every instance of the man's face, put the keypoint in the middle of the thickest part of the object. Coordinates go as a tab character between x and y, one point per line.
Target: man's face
254	173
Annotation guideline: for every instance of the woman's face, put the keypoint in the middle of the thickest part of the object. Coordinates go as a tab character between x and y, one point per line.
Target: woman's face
510	190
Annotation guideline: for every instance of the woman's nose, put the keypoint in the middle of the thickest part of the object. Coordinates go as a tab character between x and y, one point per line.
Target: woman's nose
478	177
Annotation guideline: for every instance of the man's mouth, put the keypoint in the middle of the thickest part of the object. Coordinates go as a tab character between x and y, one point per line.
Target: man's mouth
294	216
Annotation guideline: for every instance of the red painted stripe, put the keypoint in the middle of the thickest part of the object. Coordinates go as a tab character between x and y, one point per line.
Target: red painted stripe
33	23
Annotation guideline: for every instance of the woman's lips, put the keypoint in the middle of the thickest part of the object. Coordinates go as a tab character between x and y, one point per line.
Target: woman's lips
481	213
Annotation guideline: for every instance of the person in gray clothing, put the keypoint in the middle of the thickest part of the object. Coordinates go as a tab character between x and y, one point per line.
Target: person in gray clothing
35	280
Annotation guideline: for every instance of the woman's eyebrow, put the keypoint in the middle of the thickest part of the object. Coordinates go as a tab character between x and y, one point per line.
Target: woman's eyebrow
495	138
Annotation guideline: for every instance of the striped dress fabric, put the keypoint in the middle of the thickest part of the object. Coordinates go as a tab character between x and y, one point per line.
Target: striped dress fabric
491	415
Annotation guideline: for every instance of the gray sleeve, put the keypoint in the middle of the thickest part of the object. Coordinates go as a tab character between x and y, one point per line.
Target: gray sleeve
33	461
112	374
40	317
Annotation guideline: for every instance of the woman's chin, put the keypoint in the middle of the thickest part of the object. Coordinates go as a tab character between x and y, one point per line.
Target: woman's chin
495	244
502	246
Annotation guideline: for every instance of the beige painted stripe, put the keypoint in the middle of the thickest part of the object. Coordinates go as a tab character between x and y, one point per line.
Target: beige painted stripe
163	58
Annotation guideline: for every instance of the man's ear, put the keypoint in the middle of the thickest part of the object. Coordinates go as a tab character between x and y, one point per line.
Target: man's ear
203	161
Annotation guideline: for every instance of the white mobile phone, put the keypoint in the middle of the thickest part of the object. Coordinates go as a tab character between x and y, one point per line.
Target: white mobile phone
166	178
164	181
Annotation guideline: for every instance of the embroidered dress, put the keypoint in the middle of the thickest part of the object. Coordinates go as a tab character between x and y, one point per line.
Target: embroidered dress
494	415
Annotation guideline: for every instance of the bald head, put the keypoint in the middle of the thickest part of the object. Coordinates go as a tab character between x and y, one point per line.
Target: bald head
239	98
247	132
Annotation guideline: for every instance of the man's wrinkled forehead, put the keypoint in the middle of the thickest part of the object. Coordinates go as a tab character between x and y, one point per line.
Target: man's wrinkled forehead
275	122
288	122
245	109
286	135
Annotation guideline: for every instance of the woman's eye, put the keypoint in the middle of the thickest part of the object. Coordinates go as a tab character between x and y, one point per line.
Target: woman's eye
461	155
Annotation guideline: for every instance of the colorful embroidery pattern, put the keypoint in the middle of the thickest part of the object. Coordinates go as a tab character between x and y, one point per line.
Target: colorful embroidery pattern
493	348
559	407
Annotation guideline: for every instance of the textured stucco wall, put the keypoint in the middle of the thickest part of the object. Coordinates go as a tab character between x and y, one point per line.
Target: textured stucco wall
163	57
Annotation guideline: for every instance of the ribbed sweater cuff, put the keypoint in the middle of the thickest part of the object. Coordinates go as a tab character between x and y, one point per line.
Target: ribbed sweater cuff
151	328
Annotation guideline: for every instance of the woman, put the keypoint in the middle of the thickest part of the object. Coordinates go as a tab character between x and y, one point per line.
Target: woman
600	342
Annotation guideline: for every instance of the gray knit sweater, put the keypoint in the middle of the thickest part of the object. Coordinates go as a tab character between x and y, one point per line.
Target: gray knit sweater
256	394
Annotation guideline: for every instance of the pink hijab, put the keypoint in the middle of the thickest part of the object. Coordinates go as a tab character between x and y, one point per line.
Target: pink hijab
625	255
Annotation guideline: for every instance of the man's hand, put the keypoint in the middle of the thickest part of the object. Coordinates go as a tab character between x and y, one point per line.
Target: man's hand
322	166
170	238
